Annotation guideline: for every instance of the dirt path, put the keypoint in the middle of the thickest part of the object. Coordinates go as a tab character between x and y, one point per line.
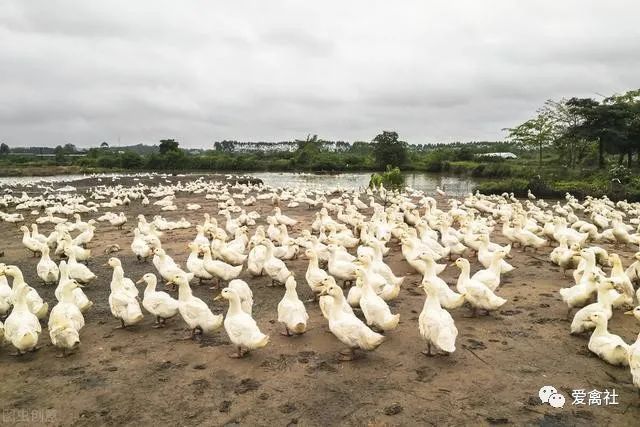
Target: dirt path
151	376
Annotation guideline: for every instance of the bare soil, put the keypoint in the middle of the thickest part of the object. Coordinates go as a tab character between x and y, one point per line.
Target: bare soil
142	375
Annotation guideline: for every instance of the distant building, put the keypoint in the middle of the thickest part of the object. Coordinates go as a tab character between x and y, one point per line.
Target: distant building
104	145
504	155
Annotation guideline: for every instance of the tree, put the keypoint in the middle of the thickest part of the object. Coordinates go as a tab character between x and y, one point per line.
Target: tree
614	123
537	132
226	146
4	149
388	150
167	145
130	160
572	147
59	154
69	148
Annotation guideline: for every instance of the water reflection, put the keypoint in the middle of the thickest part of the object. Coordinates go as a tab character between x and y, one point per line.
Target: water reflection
453	185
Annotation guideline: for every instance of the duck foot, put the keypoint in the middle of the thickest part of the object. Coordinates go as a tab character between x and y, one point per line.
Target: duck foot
347	355
286	332
238	355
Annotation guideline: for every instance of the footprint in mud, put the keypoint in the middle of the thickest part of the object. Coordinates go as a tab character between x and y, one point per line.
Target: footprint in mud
320	365
168	364
246	385
225	406
287	408
425	374
89	382
200	385
281	363
474	344
510	312
305	356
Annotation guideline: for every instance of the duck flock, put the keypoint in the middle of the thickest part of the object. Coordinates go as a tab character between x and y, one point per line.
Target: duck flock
345	246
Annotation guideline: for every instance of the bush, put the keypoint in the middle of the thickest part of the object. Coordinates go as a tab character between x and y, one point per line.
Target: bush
392	179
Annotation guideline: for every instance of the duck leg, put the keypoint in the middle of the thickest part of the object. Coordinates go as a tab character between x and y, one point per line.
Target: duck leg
286	332
347	355
428	351
237	355
158	323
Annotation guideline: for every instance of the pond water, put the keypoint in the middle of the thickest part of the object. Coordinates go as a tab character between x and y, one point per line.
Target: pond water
453	185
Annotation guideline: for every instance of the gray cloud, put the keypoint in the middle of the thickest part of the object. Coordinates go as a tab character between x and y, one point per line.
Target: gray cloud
84	72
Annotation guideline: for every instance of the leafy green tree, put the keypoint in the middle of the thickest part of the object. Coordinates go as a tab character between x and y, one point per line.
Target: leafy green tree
614	123
388	150
59	153
4	149
167	145
130	160
537	133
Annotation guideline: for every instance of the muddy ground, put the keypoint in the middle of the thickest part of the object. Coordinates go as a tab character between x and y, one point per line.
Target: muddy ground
142	375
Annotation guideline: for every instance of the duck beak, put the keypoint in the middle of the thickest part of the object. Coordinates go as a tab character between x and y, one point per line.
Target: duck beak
630	312
218	298
139	281
105	264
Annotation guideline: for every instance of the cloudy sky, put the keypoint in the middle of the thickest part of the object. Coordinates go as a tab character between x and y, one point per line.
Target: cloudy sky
199	71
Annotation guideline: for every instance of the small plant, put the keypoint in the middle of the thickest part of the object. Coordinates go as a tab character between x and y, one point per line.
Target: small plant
392	179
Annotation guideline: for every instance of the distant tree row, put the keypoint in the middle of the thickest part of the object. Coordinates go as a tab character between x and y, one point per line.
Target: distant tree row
574	125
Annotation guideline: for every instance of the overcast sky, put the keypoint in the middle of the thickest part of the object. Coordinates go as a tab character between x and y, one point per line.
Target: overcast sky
199	71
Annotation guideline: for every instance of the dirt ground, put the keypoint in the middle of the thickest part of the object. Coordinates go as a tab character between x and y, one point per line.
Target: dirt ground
142	375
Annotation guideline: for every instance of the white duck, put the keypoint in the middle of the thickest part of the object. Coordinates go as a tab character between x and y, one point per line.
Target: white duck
47	269
22	328
165	265
124	283
241	328
219	269
339	268
66	320
274	267
5	295
29	242
35	303
345	326
195	312
582	321
79	298
491	276
609	347
256	259
195	265
77	271
244	292
157	303
435	323
314	275
291	311
124	306
475	292
140	246
375	310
